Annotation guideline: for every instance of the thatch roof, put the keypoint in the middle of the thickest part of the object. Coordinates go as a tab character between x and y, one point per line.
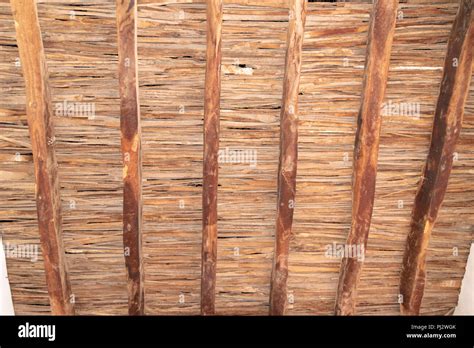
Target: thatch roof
80	42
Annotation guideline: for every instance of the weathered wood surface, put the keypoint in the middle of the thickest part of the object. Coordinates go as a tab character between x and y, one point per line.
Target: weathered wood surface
41	130
447	125
131	152
379	46
83	67
212	95
288	157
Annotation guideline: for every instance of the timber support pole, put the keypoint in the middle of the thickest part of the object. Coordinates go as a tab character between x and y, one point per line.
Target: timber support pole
447	125
131	153
212	93
379	47
41	129
288	157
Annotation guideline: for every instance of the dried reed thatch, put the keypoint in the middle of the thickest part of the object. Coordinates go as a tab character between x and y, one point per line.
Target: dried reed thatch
81	48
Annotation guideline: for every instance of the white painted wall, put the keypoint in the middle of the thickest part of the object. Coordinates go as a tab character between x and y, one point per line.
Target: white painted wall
6	303
466	297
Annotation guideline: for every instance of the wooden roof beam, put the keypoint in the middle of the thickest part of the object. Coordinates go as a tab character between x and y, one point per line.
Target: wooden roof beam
446	128
131	151
379	46
288	157
40	124
211	147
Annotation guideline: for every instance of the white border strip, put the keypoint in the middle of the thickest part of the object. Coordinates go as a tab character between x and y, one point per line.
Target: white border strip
6	302
466	297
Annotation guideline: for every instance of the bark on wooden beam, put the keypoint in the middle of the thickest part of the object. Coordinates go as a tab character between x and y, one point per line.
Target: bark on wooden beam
288	157
379	46
446	128
40	123
131	151
211	147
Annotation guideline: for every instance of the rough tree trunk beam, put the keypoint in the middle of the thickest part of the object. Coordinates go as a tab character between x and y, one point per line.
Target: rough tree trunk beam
288	156
446	128
211	148
40	124
379	46
131	152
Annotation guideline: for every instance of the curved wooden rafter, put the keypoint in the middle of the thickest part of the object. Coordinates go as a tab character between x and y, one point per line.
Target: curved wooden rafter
379	47
131	153
41	129
447	125
212	93
288	156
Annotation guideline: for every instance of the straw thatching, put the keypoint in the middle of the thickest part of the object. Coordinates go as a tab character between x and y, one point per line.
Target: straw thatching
81	49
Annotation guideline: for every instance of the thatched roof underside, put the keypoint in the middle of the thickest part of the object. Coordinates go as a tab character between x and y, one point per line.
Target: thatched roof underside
81	50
